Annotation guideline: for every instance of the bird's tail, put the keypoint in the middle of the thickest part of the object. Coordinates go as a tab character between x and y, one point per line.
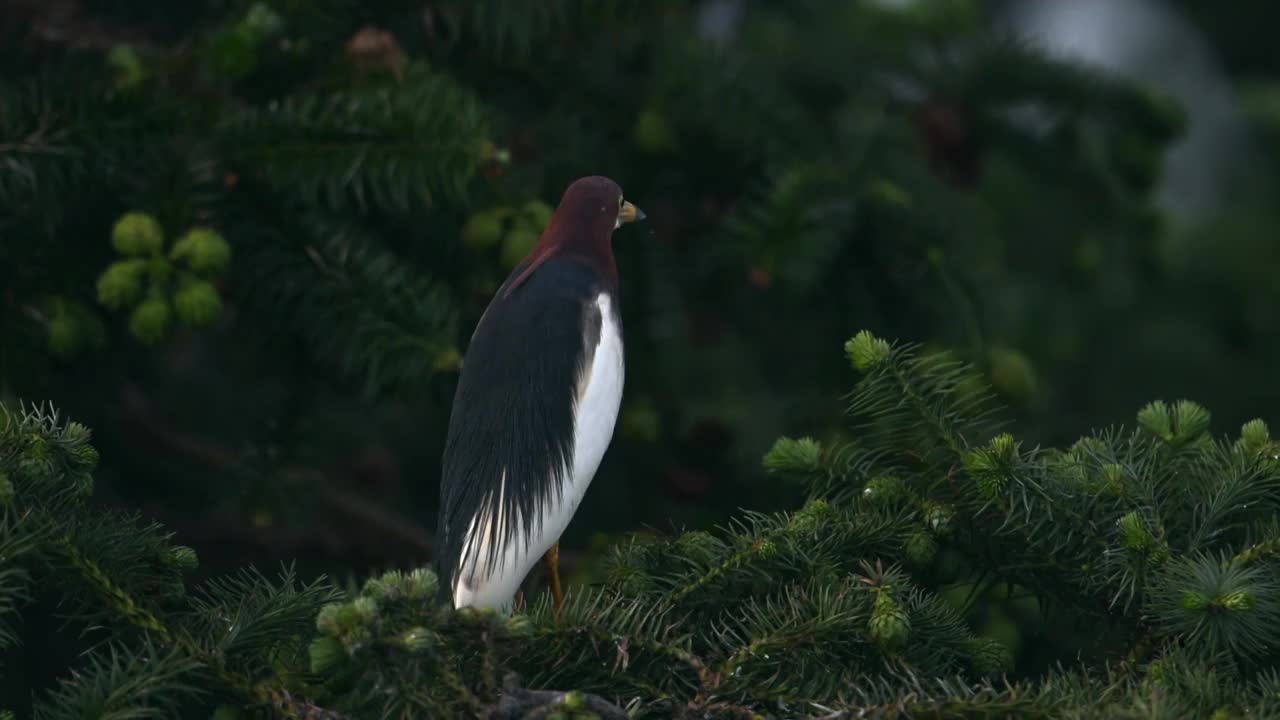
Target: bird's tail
445	566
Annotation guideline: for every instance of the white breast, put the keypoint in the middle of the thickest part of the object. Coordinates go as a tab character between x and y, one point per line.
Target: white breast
599	395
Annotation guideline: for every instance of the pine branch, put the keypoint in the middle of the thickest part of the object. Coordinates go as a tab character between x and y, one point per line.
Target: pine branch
389	147
518	703
359	308
919	404
795	227
706	574
775	638
250	623
110	596
1226	491
511	31
944	700
1217	607
808	616
18	545
145	683
41	156
599	633
1258	551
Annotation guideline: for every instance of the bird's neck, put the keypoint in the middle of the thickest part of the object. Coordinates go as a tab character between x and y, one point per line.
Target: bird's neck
583	247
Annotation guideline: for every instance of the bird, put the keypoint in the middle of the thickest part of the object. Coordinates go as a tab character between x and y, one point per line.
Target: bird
535	405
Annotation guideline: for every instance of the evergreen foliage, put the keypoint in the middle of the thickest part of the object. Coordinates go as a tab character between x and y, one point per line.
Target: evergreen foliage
1157	543
246	242
353	159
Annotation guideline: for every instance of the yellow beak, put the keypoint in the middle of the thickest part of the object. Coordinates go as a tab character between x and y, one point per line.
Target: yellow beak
629	213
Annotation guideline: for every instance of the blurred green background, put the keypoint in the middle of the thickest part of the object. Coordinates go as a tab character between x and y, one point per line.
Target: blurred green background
1076	196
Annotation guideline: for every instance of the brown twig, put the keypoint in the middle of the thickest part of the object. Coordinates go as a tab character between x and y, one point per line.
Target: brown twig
518	703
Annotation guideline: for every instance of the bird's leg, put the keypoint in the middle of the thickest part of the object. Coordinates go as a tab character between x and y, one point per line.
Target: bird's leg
552	560
518	604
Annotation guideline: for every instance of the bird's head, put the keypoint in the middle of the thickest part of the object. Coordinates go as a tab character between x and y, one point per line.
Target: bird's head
595	207
582	226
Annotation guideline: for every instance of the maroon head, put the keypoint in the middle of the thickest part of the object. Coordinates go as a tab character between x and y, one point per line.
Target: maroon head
590	210
592	207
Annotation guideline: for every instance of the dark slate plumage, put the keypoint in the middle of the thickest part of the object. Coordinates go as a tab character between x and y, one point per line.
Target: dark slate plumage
517	419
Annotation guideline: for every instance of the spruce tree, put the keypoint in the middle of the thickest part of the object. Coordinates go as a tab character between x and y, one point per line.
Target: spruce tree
246	242
290	213
1155	544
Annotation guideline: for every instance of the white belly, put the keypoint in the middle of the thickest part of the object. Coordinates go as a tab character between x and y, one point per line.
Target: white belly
596	411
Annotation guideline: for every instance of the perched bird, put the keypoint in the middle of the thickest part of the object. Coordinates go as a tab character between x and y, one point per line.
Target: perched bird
535	405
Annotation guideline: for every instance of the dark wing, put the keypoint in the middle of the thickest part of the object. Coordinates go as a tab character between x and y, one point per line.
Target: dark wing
513	408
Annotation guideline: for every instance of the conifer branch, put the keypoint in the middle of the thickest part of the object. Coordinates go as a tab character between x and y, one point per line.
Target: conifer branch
352	303
817	620
152	682
815	156
387	147
40	156
510	31
1257	552
517	702
114	596
16	548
